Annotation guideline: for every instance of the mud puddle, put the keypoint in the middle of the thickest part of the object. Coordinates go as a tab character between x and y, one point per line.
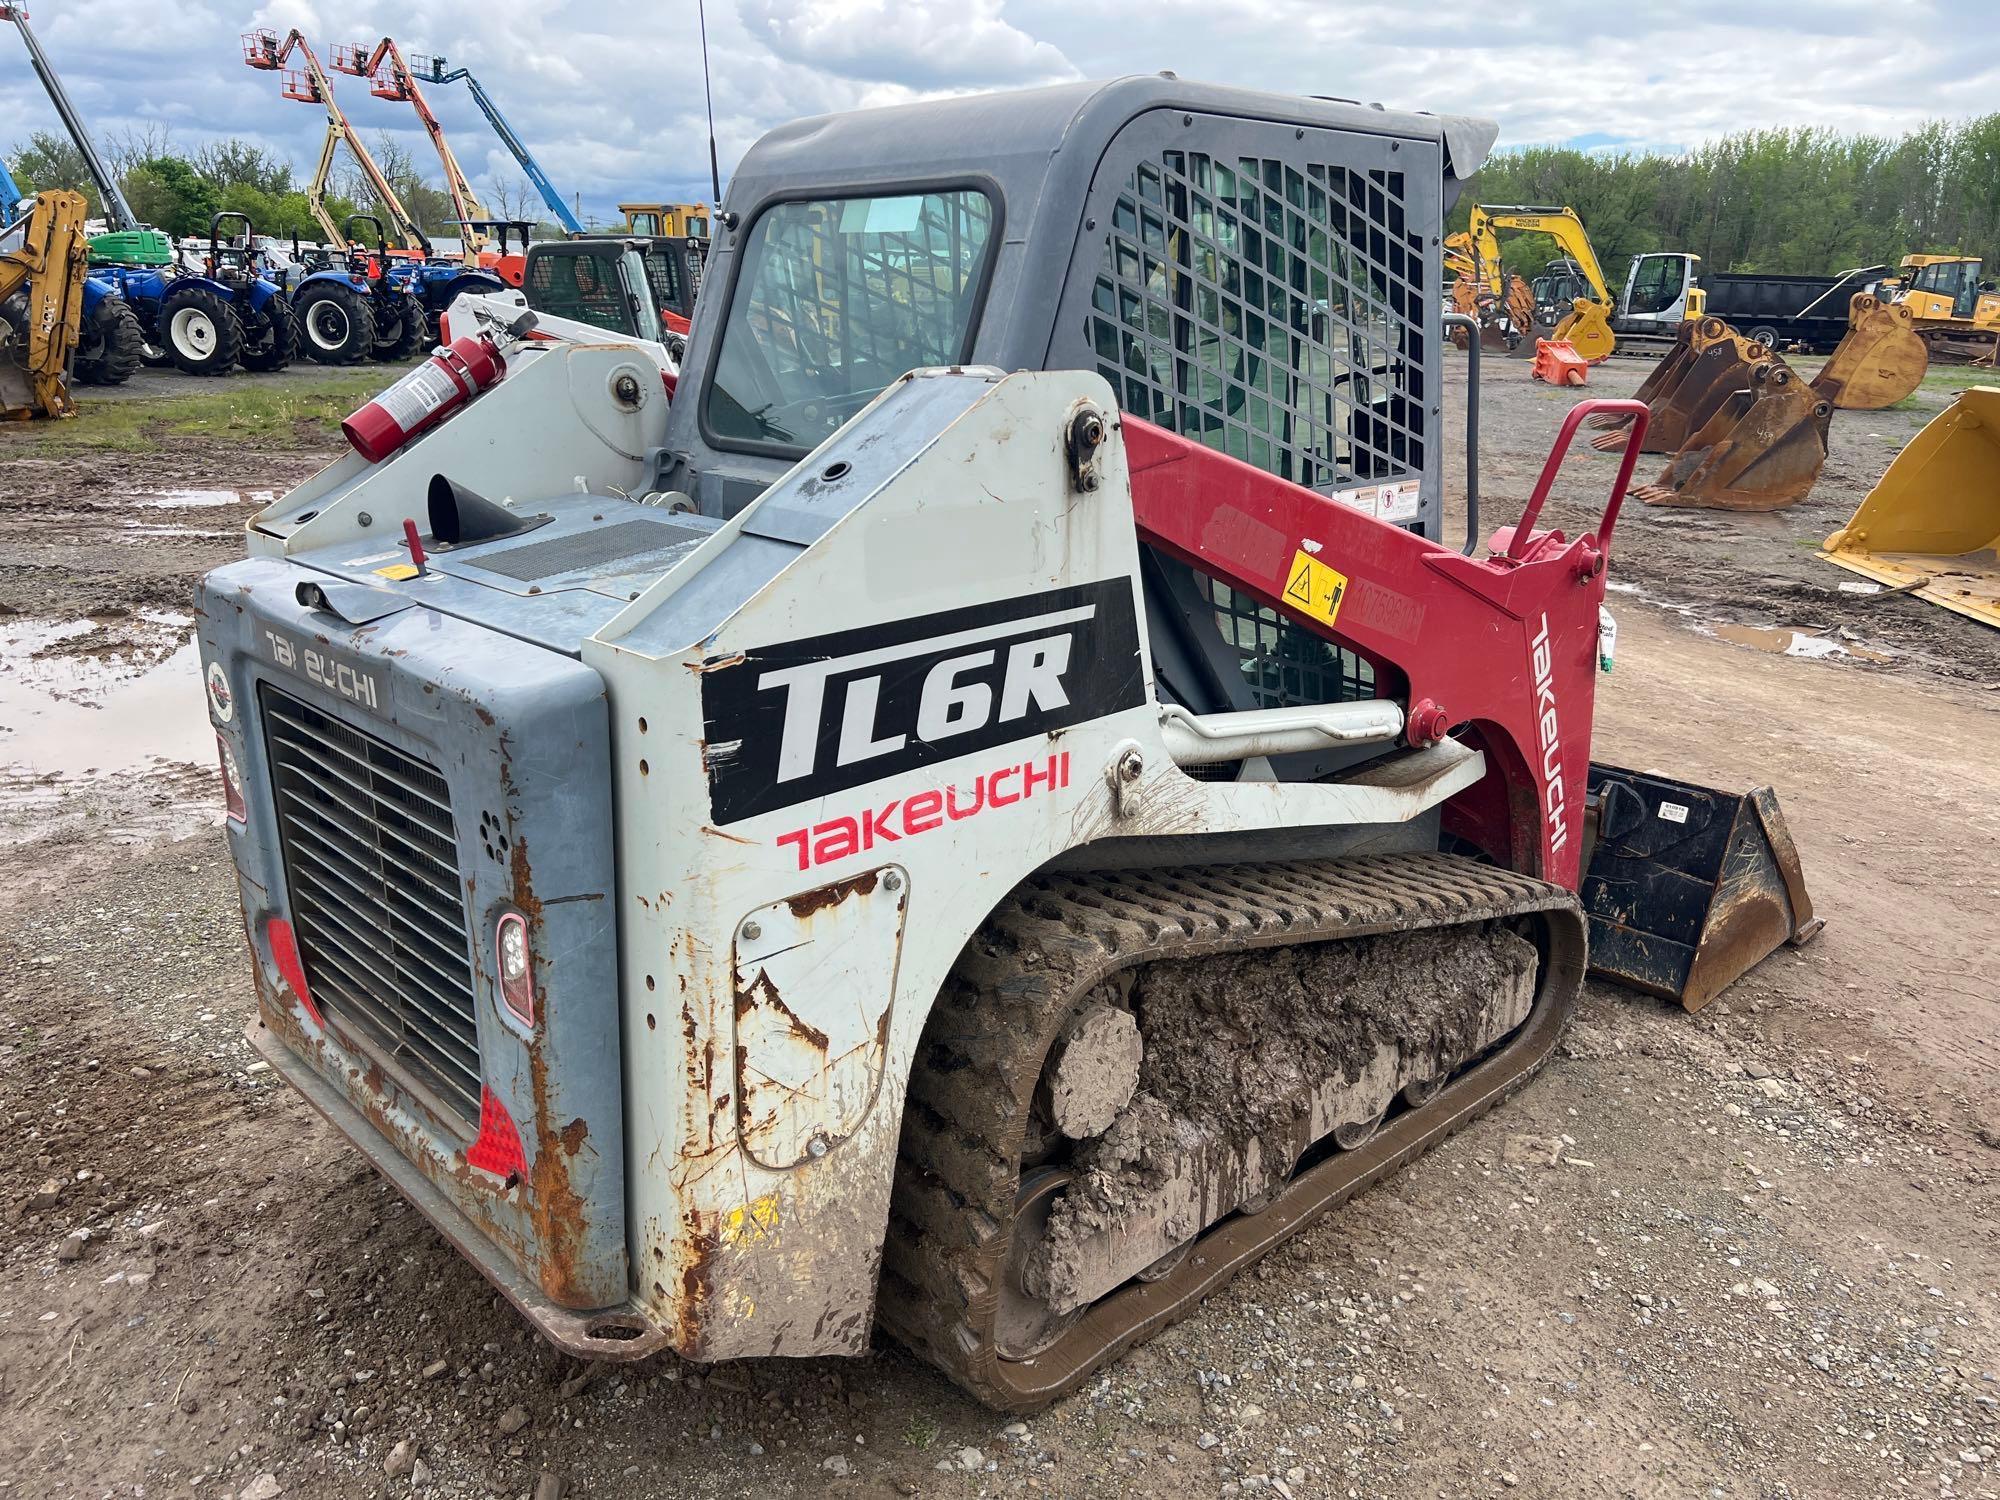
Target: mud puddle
98	703
1782	641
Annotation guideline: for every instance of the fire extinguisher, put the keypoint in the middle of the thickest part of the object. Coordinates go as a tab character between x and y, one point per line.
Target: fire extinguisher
424	397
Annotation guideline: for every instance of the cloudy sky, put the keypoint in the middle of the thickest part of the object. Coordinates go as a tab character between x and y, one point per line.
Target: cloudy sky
609	95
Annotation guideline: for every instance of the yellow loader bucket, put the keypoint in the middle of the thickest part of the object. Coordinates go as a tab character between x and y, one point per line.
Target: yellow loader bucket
1879	362
1762	447
1708	362
1586	328
1932	523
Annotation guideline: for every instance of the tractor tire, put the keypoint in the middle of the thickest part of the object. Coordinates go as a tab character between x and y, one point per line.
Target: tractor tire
14	330
201	331
274	339
394	344
337	326
112	345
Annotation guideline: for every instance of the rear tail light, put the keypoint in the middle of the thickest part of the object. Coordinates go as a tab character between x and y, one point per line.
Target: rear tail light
516	966
232	782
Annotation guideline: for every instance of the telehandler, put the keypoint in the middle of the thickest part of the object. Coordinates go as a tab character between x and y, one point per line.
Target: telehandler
982	802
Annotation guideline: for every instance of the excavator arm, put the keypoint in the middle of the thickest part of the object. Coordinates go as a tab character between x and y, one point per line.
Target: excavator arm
1476	252
49	260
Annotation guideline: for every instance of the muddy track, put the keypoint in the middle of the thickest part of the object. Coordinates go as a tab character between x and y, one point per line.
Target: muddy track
1054	942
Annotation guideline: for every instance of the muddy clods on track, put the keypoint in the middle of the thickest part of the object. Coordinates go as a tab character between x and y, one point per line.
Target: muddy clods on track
1237	1047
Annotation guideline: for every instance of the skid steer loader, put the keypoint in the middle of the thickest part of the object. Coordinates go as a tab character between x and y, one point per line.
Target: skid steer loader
873	837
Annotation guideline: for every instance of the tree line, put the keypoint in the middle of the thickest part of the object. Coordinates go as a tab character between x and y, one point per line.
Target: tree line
1800	200
181	191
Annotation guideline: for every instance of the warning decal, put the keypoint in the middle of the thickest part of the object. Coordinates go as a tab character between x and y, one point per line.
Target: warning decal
1314	589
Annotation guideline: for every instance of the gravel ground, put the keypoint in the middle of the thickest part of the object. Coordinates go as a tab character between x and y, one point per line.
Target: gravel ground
1748	1253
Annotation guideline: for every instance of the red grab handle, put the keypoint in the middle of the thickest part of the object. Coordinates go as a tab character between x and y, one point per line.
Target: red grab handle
1637	410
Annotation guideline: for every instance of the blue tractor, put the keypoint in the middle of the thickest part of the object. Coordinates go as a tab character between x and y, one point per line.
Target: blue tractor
364	309
209	321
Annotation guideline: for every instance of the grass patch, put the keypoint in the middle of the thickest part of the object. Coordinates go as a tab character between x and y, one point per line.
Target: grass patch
264	413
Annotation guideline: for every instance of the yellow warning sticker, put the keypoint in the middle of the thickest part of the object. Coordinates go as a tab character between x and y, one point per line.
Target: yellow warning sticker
396	572
1314	589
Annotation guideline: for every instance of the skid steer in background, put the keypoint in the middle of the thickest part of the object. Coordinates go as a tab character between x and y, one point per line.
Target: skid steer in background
44	260
1931	525
879	837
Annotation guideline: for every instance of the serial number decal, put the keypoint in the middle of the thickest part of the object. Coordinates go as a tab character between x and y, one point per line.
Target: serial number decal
919	812
790	723
317	667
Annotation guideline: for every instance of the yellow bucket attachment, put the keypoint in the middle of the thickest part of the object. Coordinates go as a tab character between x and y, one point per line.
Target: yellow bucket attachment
1880	361
1931	525
1709	360
1761	448
1586	328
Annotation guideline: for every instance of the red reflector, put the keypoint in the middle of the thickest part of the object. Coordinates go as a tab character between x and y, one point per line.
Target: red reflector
498	1149
232	782
285	953
671	381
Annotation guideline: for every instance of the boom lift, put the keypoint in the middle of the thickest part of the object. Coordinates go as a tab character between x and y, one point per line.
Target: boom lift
389	77
432	69
866	835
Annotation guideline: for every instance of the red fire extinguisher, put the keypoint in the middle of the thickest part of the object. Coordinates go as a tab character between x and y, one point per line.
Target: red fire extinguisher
424	397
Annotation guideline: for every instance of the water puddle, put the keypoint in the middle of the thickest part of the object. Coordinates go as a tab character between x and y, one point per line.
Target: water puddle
202	499
75	711
1781	641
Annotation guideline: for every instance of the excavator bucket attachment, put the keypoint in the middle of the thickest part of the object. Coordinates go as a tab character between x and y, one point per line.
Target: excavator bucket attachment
1879	362
1521	318
1762	448
1586	328
1708	362
1931	525
1686	887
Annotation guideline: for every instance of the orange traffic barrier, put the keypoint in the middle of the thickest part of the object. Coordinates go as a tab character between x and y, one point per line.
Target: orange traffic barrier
1557	362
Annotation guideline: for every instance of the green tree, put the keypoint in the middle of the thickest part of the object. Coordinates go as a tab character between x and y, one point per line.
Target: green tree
167	191
51	161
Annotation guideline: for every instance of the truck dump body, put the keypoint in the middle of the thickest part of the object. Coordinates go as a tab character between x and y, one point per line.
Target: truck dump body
1811	310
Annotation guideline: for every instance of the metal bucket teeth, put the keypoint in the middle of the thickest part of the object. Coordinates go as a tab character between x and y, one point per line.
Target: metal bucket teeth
1761	447
1879	362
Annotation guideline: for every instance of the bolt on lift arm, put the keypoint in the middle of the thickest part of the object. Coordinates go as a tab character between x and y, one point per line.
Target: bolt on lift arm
516	147
390	78
116	210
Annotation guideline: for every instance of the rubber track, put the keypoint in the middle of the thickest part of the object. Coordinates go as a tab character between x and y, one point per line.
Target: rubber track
1050	943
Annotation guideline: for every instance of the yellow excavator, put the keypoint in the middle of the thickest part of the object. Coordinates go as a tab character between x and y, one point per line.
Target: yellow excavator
1474	254
45	254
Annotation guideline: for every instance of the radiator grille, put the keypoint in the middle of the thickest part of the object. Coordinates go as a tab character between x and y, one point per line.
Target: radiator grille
371	867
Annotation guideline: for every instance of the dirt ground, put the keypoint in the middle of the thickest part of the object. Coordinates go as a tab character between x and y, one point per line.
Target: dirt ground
1750	1253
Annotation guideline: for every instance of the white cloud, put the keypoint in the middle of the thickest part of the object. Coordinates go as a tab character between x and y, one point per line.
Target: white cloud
610	98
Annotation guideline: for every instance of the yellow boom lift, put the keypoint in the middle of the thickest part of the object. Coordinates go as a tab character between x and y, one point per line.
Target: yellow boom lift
45	252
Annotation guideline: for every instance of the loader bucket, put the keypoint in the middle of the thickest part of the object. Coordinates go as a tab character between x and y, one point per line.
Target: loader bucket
1932	523
1761	449
1693	336
1710	363
1879	361
1687	887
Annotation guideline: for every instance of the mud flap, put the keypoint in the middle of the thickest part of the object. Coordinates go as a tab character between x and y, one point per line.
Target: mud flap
1686	888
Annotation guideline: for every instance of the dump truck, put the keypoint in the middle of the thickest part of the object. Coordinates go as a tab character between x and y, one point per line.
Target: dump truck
982	802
